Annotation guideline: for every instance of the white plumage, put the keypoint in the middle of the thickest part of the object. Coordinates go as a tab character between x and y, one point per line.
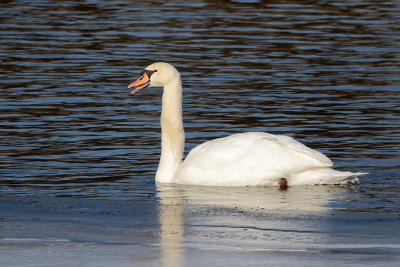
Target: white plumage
245	159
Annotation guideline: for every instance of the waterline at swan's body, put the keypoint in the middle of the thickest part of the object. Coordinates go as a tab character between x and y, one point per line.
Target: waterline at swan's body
246	159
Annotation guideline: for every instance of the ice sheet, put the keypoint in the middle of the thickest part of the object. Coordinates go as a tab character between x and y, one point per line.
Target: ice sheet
194	226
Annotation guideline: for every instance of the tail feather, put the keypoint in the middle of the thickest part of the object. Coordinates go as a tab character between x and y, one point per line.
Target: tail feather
324	176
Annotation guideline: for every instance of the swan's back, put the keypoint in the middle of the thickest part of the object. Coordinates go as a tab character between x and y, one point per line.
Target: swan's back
248	159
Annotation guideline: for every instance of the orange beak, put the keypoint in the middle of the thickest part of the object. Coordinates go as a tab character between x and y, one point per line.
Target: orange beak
142	82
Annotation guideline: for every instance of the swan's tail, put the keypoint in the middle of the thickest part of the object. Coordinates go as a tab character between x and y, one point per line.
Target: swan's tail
324	176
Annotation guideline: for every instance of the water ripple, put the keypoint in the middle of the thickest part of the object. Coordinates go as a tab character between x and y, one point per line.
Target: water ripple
323	72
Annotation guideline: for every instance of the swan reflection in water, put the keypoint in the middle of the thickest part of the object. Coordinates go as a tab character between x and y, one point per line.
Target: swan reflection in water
202	211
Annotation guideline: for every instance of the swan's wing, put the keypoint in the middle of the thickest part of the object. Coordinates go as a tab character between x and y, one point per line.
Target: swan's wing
247	159
221	151
292	144
231	148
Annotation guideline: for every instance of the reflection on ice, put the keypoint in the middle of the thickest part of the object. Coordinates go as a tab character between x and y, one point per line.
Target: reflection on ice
171	221
201	224
221	214
295	198
198	226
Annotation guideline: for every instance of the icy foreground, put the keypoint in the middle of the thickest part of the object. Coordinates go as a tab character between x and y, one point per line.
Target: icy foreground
192	226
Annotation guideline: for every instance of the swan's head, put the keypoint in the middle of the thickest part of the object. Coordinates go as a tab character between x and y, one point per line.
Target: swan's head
156	75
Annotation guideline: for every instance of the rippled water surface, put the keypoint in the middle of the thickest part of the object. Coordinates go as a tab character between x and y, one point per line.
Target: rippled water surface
324	72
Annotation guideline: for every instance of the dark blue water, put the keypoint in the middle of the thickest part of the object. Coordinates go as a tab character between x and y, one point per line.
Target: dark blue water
326	73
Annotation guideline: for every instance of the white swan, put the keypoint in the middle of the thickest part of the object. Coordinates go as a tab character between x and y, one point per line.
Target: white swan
245	159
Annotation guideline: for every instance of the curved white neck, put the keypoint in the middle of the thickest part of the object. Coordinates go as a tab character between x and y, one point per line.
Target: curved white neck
172	134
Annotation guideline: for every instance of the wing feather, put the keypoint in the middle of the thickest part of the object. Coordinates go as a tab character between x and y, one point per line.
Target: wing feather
248	159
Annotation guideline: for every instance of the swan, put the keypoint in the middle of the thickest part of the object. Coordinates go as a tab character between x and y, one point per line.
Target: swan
244	159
